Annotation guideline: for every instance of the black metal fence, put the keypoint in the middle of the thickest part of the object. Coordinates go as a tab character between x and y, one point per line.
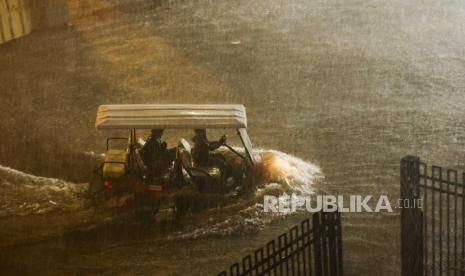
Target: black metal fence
432	219
311	248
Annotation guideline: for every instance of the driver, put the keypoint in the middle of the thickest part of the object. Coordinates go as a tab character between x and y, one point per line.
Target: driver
155	155
202	147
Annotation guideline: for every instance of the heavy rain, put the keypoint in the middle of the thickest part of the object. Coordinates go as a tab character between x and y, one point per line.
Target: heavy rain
336	92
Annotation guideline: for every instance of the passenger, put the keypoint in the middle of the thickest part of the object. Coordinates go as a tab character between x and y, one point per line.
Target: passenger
202	147
156	156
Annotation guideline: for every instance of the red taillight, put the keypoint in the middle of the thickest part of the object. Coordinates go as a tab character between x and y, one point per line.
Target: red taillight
107	184
156	188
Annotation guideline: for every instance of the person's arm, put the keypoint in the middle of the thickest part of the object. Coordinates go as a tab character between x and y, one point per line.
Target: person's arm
216	144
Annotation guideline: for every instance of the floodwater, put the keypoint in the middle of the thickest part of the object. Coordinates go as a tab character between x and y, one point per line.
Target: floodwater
349	86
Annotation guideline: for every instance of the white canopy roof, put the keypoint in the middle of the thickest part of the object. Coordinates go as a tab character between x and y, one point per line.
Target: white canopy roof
166	116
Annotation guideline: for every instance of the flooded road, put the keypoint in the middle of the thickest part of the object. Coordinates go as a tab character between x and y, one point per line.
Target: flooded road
351	86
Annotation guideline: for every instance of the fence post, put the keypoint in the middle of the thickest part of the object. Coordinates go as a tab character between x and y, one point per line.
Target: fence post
331	220
339	244
411	218
316	225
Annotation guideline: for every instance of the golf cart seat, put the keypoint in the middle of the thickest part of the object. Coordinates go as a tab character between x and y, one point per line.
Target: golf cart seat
209	178
115	163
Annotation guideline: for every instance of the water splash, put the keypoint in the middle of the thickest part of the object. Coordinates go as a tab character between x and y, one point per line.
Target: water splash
277	172
24	194
294	174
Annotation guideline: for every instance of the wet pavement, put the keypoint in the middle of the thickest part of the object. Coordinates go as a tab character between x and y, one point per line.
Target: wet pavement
351	86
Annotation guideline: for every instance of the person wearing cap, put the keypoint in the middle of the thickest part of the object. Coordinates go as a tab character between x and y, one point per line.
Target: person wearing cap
155	155
202	147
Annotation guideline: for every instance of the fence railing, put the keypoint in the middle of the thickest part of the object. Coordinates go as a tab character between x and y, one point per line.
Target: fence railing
433	223
314	247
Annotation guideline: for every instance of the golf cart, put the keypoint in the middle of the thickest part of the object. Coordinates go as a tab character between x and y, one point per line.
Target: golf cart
185	185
